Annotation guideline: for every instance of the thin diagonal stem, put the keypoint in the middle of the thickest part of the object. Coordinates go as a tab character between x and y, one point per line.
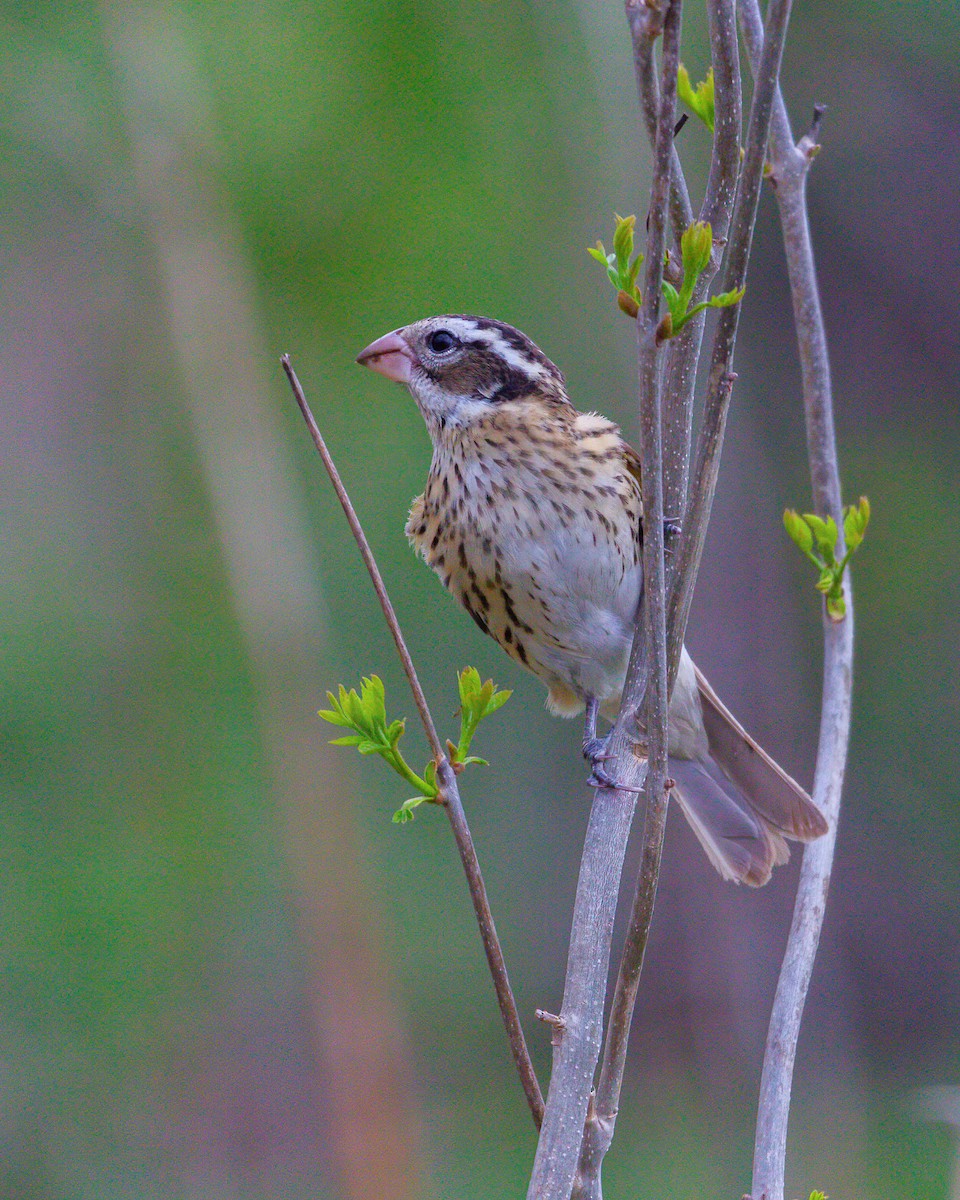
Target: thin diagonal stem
369	562
449	790
789	168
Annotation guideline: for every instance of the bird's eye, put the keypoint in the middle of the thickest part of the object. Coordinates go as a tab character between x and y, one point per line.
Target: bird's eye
441	341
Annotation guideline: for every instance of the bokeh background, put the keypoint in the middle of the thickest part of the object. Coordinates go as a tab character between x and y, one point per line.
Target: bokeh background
223	972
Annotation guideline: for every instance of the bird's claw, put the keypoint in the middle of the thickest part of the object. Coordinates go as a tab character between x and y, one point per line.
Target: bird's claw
595	750
596	754
601	778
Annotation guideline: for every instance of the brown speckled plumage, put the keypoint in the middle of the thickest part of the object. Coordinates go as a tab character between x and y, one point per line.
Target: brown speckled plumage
566	485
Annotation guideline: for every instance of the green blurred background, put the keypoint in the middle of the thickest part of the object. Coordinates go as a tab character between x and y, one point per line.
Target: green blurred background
225	973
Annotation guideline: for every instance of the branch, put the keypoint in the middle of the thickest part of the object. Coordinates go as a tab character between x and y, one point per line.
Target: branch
683	353
645	25
680	372
449	790
721	379
790	164
575	1136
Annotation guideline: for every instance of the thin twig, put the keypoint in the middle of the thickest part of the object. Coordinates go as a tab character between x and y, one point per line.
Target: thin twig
569	1118
447	780
654	606
645	25
720	380
369	562
789	168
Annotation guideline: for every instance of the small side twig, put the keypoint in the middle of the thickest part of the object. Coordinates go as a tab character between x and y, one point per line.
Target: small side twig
789	168
446	778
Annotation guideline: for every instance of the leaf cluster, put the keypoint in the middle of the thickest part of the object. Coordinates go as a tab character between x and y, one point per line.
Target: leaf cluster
809	531
366	714
696	249
477	700
622	268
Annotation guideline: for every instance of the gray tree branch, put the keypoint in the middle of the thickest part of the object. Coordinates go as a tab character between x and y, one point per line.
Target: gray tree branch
449	790
720	380
683	352
601	1124
577	1048
789	167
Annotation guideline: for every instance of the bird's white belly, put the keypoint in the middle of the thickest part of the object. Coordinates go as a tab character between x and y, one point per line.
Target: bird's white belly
578	599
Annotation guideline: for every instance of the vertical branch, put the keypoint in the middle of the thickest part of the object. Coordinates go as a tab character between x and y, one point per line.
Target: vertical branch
647	670
680	372
577	1044
789	166
720	380
683	353
645	25
449	790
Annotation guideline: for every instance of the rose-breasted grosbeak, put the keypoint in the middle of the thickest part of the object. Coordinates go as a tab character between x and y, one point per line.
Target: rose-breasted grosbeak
532	518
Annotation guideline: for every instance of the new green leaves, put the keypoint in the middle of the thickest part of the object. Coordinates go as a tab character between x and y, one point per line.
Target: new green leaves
621	272
699	99
366	715
477	700
696	248
809	530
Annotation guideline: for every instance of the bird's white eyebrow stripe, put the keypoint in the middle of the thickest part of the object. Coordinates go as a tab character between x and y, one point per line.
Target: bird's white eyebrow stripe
510	355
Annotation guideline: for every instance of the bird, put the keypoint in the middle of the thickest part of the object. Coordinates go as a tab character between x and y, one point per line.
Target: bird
532	518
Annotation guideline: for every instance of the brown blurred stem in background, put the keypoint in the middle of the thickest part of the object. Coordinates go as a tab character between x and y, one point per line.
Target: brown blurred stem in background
449	790
789	165
362	1068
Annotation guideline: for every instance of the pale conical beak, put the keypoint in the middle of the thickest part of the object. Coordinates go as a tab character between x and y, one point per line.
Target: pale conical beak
390	355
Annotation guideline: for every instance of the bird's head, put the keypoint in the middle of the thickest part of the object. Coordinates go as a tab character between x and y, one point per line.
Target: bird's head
459	369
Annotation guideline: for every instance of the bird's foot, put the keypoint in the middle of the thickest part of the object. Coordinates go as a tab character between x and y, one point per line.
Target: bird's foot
600	777
596	753
595	749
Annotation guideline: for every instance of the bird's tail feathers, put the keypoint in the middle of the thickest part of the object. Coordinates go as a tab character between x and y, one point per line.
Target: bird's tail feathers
779	800
740	844
739	803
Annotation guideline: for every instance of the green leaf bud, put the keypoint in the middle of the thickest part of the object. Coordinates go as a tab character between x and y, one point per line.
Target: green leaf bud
623	239
696	246
798	530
